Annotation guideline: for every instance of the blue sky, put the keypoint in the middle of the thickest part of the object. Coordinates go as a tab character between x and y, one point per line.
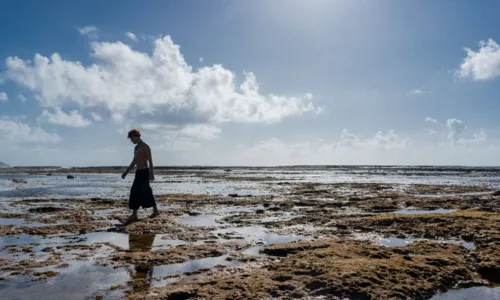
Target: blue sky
250	82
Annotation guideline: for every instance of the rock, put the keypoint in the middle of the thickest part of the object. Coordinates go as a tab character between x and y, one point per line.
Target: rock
497	193
382	187
19	181
70	177
233	195
46	209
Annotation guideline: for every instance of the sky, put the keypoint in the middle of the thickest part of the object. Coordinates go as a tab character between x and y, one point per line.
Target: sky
282	82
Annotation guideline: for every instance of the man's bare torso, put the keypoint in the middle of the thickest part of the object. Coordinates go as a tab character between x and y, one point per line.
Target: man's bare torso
141	155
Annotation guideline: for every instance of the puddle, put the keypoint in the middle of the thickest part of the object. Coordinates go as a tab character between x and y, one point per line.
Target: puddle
28	223
125	241
401	242
122	240
18	240
473	293
191	266
81	280
282	217
258	234
237	209
421	211
452	194
105	212
200	220
396	242
253	250
170	206
13	221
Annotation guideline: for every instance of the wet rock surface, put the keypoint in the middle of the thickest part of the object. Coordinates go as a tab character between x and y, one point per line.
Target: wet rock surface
337	268
301	240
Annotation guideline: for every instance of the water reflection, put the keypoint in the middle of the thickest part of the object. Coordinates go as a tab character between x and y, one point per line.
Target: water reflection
143	273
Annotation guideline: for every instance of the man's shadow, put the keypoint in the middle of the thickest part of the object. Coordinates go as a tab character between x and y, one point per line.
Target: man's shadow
142	273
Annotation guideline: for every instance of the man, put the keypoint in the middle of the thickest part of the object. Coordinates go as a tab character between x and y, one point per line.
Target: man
141	194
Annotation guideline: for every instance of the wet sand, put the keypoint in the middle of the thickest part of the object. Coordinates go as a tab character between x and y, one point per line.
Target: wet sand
300	239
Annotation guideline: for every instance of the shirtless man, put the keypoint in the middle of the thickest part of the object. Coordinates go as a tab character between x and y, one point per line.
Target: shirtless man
141	193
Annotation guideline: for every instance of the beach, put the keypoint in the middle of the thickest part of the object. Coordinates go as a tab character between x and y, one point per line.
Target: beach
298	232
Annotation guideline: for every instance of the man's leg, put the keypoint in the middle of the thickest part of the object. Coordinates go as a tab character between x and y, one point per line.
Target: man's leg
152	198
133	216
155	213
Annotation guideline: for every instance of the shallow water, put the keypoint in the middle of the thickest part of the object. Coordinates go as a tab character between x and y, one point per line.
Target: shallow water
190	266
452	194
81	280
112	186
401	242
473	293
84	279
258	234
201	220
395	242
420	211
88	185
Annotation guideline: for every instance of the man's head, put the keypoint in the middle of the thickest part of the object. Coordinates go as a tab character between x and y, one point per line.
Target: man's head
134	135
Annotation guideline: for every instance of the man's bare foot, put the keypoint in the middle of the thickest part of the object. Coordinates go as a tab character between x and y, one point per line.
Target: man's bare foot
154	214
130	220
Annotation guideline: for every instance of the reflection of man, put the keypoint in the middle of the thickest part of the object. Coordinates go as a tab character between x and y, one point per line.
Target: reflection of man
143	272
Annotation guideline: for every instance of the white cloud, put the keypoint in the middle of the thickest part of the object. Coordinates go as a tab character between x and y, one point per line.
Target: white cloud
17	132
161	87
132	36
478	138
481	136
59	117
416	92
455	127
431	120
16	118
96	117
178	137
431	131
390	140
201	59
22	98
451	133
179	145
4	96
200	131
380	149
275	151
88	30
349	149
483	64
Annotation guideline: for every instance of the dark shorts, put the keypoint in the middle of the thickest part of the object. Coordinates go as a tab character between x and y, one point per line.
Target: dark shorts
141	193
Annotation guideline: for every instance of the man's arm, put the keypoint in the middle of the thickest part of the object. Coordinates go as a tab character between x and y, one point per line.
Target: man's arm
150	159
131	166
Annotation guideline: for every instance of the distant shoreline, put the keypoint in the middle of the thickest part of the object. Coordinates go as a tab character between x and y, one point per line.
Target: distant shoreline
118	169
